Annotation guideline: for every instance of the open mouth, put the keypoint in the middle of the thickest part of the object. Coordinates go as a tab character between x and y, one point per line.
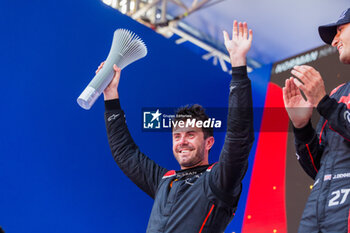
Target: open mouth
340	47
184	150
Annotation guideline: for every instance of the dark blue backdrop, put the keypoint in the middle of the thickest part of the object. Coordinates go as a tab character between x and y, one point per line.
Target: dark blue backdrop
56	171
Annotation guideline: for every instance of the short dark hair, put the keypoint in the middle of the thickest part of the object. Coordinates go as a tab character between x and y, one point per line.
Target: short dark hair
197	112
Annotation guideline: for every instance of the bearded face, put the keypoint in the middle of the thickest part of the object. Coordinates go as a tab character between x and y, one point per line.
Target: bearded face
190	147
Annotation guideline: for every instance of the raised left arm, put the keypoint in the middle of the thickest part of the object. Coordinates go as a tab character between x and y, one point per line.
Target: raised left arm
231	168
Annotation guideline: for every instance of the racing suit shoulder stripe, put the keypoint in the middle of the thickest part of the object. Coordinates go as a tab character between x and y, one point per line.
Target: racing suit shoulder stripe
210	167
345	100
336	89
312	160
322	131
339	134
169	174
206	219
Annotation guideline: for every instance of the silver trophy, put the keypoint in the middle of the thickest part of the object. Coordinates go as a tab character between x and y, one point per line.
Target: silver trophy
126	48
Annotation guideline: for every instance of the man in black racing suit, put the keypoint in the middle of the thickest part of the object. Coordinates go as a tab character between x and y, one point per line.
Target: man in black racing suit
199	197
324	154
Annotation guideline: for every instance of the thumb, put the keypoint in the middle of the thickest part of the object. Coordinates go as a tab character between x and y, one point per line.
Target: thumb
226	37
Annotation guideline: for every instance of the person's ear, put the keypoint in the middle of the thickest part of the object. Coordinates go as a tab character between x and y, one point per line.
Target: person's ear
209	142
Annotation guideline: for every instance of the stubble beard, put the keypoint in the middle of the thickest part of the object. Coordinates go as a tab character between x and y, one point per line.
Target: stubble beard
198	158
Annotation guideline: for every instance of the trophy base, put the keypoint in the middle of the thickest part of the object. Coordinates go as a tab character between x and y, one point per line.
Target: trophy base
88	98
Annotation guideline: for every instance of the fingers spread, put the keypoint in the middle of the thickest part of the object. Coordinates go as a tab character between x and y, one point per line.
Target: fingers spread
250	34
234	30
226	36
245	30
240	29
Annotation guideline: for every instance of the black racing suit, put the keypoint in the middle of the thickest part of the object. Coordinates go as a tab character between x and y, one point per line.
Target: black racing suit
200	199
324	154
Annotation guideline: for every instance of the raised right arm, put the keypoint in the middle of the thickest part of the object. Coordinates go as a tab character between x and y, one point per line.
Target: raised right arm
143	171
